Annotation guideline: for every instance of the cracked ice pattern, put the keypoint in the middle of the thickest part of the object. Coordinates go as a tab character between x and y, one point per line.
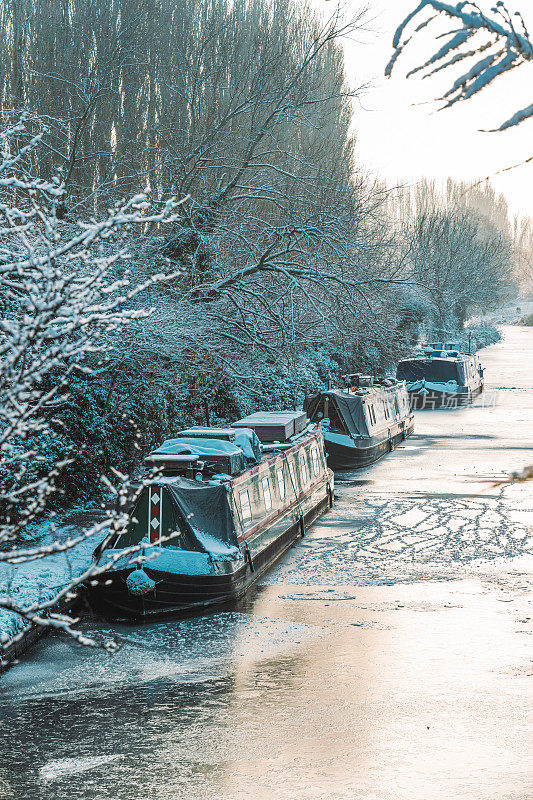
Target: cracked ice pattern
443	530
382	539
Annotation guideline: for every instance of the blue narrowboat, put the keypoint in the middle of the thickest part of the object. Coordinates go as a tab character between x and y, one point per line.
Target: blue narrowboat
441	376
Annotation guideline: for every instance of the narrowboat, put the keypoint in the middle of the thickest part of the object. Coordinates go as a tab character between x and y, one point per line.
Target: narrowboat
363	422
227	503
441	376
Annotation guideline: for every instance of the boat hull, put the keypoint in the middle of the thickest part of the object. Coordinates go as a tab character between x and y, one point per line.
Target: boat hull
442	399
356	455
182	594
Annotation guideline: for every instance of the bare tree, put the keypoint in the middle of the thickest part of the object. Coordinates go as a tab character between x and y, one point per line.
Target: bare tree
62	295
177	97
523	238
463	262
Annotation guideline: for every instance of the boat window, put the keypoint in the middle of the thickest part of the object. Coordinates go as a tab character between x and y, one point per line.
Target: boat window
281	483
303	468
396	406
246	508
292	473
439	371
316	462
265	483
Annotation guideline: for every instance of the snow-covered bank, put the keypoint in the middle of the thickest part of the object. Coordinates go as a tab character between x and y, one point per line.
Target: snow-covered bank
40	580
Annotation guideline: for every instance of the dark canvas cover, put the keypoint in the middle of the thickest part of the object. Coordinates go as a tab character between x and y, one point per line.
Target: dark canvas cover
205	510
349	406
437	370
352	411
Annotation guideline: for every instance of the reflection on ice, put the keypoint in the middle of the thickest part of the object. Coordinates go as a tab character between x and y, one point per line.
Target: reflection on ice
181	651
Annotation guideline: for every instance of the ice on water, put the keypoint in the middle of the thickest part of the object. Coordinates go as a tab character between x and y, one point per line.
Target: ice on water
54	770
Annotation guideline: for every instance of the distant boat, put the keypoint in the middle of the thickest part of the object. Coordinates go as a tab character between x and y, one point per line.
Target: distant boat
226	508
441	376
362	422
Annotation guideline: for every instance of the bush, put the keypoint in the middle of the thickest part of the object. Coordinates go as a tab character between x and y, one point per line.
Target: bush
96	428
278	387
480	334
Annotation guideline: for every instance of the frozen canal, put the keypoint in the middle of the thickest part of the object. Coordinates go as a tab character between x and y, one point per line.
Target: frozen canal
387	657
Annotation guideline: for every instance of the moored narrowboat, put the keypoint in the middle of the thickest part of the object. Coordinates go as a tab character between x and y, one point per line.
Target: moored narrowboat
223	511
441	376
362	422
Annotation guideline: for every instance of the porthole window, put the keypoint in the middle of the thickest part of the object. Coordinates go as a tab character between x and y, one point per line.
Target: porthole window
246	508
267	495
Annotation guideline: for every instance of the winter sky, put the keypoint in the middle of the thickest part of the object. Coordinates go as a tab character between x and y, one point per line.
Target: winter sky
402	137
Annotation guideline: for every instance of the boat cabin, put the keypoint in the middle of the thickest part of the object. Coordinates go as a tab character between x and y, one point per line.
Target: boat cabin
362	422
216	516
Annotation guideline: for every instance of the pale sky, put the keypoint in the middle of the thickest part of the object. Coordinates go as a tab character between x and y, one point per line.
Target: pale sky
402	140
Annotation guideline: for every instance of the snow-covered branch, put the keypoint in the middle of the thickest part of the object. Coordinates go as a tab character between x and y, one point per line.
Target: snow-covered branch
492	44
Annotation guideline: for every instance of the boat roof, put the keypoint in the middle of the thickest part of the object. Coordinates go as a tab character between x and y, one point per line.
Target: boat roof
439	355
223	459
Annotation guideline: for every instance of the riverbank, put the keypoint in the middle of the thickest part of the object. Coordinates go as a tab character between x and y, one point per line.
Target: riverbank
41	579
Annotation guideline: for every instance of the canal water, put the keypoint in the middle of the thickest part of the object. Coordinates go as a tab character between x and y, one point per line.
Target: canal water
387	656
